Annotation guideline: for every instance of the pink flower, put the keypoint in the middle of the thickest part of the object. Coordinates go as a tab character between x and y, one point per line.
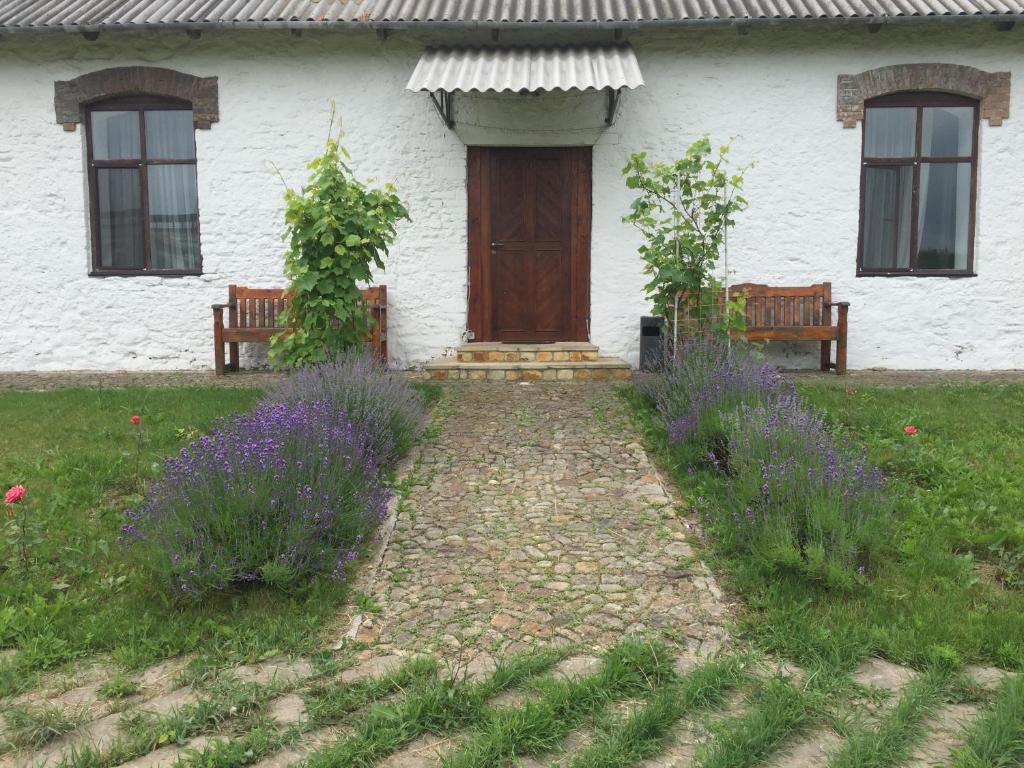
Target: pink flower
136	420
14	494
910	429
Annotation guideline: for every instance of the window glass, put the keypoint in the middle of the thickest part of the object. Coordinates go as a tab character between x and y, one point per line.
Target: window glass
119	205
947	131
115	136
890	131
888	197
943	215
173	217
170	135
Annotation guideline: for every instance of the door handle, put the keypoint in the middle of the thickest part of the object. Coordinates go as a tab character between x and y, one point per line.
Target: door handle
496	244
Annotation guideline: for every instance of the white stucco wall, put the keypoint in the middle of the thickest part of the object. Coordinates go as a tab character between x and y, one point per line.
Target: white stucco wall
771	92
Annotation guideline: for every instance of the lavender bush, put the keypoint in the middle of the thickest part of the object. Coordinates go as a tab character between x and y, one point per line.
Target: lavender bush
799	496
283	494
708	378
381	401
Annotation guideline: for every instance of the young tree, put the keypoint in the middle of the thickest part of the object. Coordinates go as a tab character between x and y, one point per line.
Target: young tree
338	228
684	211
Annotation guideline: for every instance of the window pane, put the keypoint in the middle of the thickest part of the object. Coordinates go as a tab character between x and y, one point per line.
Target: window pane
887	208
945	200
115	135
947	131
173	217
170	135
119	204
890	131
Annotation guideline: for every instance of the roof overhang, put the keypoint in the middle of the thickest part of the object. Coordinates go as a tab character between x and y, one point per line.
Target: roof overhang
442	72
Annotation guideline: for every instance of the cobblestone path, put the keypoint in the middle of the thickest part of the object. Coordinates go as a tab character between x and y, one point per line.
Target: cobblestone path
539	518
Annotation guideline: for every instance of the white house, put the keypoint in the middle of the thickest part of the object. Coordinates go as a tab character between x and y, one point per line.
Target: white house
145	145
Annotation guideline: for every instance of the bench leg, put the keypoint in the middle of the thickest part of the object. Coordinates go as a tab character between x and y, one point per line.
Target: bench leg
841	341
233	346
826	355
218	343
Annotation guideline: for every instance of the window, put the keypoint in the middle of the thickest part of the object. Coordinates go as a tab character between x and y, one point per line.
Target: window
917	185
142	183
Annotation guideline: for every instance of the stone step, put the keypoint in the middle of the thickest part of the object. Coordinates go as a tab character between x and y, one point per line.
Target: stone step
601	369
556	352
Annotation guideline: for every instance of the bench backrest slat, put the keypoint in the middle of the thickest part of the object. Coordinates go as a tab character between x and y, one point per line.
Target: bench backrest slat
770	306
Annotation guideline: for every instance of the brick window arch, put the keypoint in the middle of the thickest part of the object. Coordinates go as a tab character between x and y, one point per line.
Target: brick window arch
990	89
72	97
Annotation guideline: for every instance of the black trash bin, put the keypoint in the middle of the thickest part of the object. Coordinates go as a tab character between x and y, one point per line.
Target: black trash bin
652	343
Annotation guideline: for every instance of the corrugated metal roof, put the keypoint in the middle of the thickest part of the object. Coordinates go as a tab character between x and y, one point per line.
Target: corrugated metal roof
48	14
529	69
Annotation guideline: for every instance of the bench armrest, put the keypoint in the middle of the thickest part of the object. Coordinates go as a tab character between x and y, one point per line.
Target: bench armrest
837	304
221	306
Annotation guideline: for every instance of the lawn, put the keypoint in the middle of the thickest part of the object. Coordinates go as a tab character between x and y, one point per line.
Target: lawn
82	592
950	590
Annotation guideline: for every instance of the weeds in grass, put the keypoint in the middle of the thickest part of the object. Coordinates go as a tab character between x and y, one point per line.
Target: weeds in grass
31	727
893	740
778	713
996	738
120	686
642	734
430	706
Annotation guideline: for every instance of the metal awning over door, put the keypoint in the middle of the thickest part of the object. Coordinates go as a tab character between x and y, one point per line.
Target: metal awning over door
443	71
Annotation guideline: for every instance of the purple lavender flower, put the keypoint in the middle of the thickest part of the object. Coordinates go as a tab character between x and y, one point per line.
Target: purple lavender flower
282	493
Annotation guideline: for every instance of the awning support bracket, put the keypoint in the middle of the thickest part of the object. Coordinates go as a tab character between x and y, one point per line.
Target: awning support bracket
614	95
443	104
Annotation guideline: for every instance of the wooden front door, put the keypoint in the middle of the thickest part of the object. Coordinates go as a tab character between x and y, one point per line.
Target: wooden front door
529	243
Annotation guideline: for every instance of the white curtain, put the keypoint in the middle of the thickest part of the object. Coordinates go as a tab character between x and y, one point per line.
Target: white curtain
173	217
887	208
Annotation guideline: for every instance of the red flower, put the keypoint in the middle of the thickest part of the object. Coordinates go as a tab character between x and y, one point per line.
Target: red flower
136	419
849	391
910	429
14	495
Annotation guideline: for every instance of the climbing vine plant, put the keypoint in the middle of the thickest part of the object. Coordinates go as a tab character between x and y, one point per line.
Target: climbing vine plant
337	228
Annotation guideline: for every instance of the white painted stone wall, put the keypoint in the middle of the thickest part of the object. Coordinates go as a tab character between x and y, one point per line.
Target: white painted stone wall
771	92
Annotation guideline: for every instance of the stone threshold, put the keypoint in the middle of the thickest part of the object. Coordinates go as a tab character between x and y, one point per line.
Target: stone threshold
498	352
601	369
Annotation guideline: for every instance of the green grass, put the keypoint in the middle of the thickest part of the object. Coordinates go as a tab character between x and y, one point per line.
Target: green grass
632	668
936	600
996	738
439	705
891	742
778	713
959	476
82	592
642	734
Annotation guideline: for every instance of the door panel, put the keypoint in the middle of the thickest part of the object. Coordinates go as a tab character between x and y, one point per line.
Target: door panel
529	243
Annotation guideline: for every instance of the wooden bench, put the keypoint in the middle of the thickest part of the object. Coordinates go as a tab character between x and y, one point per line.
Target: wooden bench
802	313
253	314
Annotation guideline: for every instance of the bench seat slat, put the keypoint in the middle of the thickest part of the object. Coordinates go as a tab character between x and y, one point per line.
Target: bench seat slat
792	333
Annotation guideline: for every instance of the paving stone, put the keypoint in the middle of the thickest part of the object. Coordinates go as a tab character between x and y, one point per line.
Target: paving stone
879	673
986	677
281	671
944	734
288	709
534	512
809	752
165	757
